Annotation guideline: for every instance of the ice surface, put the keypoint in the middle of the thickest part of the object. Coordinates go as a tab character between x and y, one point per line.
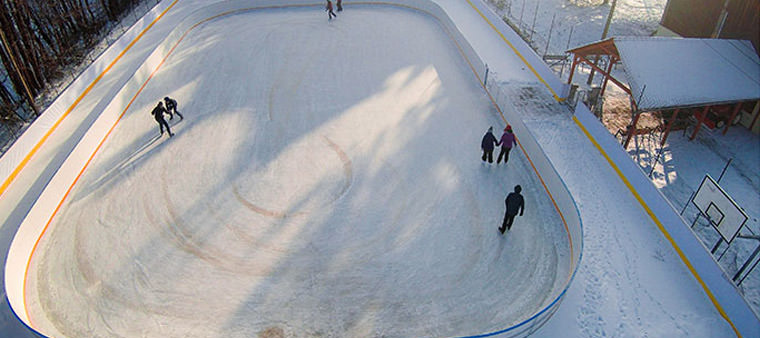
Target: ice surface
326	180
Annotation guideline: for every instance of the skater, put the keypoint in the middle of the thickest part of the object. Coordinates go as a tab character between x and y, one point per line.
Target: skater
329	9
339	3
507	141
514	202
158	114
488	144
171	104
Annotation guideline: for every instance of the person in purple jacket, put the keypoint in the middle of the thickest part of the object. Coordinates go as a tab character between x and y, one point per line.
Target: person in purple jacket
487	144
507	141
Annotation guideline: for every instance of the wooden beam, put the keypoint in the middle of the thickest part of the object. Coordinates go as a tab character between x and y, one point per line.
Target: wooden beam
700	120
610	51
757	113
614	80
631	130
670	125
572	69
607	75
733	116
590	49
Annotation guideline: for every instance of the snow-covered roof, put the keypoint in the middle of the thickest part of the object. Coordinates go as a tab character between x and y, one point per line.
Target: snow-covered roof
677	72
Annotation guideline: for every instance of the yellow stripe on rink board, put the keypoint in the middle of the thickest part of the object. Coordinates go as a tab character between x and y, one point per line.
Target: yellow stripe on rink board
87	90
660	226
556	97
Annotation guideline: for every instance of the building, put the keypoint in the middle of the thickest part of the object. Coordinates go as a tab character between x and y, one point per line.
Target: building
724	19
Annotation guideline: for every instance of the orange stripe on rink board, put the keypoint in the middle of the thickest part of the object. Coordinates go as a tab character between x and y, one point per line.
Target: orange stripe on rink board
58	207
87	90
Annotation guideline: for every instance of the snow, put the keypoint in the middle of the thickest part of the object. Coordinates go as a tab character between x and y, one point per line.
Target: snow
681	168
390	231
554	26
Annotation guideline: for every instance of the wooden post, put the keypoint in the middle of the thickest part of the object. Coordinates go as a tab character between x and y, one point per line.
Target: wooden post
733	116
631	130
700	120
756	112
607	75
670	125
572	68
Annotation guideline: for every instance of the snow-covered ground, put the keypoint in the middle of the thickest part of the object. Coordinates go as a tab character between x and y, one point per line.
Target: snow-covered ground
417	152
554	26
679	171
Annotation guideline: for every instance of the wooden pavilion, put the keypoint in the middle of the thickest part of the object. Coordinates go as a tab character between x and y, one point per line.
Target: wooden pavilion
709	79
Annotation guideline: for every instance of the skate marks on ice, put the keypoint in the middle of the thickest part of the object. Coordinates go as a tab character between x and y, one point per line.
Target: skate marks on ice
353	229
348	177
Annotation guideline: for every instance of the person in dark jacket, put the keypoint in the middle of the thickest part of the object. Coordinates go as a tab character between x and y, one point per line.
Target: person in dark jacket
507	141
329	9
487	144
514	203
171	105
339	3
158	114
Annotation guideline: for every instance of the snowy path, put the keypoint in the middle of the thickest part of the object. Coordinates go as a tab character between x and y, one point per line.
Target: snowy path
304	192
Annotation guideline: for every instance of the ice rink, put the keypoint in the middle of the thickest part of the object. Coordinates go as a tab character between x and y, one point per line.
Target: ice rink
325	181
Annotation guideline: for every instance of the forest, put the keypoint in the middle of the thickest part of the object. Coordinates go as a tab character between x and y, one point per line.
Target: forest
41	41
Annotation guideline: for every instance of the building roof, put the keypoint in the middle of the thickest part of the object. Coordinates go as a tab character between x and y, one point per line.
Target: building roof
675	72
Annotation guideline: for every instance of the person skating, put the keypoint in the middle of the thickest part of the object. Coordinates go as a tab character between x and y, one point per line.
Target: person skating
329	9
339	4
507	141
158	114
487	144
171	105
514	203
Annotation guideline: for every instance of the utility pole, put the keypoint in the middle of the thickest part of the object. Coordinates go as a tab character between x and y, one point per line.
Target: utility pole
604	36
721	21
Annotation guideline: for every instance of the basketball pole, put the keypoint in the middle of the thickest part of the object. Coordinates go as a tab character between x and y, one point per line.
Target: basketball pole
715	248
724	169
749	260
